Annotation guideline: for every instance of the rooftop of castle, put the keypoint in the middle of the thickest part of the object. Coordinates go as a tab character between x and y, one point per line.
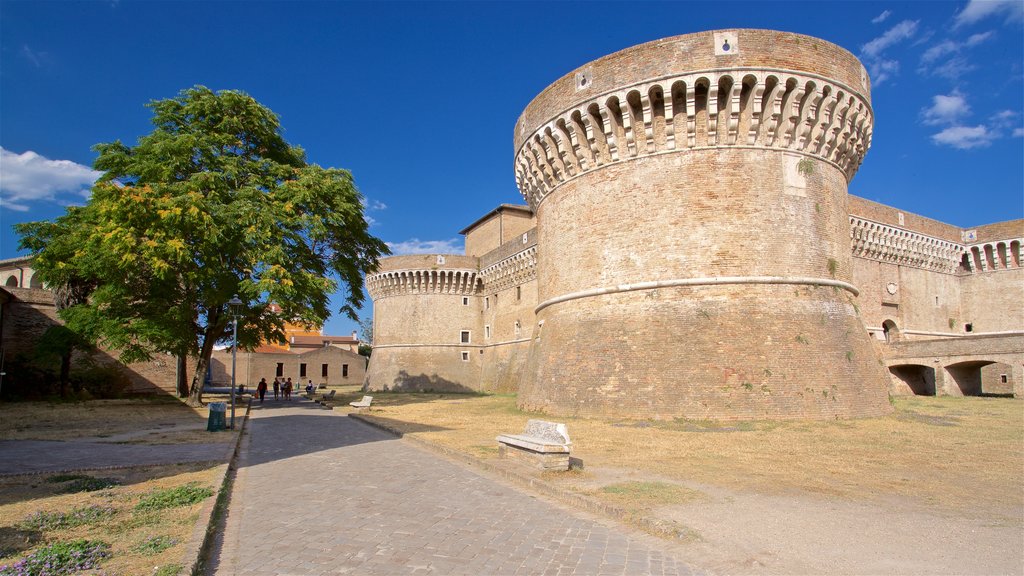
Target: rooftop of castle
501	208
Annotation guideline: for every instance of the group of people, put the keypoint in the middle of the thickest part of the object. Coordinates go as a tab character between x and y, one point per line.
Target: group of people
282	388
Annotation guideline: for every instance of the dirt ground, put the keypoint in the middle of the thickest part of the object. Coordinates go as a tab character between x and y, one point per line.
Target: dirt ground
936	488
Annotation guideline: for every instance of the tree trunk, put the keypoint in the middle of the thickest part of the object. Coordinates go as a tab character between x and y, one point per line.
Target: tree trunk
182	375
210	335
65	371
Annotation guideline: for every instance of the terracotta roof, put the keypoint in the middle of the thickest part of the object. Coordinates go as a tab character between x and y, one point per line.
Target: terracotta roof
321	340
269	349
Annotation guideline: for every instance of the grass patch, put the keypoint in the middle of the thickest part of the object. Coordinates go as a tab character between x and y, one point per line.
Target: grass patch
60	558
63	520
88	484
648	494
177	497
139	540
154	545
168	570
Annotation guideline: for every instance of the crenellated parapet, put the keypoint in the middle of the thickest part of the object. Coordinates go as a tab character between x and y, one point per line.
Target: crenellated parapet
885	243
991	256
750	107
515	270
895	245
411	282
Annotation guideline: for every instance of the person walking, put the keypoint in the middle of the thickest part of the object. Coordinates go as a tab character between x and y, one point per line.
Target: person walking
261	389
288	389
277	387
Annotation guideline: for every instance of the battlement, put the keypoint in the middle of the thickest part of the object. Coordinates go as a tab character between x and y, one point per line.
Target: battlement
425	273
897	245
698	91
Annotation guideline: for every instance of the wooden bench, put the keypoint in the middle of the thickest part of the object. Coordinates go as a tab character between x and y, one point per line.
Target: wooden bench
543	444
364	403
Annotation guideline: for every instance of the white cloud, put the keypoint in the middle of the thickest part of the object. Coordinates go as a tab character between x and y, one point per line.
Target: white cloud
976	10
417	246
946	109
898	33
955	66
965	137
881	17
939	50
29	177
1018	132
872	53
953	69
975	39
34	57
882	70
376	205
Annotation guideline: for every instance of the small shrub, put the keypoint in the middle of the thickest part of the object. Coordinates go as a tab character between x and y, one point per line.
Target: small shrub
832	267
89	484
60	558
63	520
155	545
178	497
802	339
748	386
805	166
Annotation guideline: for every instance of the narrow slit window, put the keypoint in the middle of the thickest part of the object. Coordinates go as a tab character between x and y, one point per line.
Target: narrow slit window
323	370
465	356
302	370
280	369
344	370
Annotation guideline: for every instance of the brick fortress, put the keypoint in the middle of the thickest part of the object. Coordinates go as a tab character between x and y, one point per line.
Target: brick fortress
689	249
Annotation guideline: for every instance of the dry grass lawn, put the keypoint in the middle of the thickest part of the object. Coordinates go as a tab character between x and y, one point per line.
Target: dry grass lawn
99	419
141	541
958	454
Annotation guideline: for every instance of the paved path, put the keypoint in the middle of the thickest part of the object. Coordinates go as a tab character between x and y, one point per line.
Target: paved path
321	493
28	456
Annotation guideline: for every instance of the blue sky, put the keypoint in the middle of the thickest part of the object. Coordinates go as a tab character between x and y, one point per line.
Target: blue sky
419	100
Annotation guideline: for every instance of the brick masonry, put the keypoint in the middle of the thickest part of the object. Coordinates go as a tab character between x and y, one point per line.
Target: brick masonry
658	164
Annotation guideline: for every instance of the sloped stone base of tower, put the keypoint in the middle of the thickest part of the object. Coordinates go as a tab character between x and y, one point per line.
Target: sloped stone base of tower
421	369
721	353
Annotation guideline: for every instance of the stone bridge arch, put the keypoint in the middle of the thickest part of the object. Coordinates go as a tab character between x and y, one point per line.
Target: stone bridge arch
980	378
912	379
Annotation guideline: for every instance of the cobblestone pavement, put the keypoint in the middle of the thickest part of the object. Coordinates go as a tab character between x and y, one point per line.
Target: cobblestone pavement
320	493
28	456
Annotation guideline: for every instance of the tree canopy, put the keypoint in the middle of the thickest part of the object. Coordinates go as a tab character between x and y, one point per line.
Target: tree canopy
212	203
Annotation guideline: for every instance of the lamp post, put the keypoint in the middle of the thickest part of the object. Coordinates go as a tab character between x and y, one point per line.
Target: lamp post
234	304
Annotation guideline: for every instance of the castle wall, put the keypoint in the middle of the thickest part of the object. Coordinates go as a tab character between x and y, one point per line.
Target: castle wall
696	253
509	296
31	311
503	225
921	300
422	306
691	179
993	301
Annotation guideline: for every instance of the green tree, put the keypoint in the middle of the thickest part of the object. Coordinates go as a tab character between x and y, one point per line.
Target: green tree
212	203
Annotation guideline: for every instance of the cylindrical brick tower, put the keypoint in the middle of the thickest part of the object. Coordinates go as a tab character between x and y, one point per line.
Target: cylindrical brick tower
425	333
693	241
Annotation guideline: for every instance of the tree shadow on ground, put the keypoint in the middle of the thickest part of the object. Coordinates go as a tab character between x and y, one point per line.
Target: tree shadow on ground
288	435
15	540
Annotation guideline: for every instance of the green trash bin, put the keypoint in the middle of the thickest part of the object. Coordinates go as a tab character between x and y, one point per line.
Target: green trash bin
218	414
